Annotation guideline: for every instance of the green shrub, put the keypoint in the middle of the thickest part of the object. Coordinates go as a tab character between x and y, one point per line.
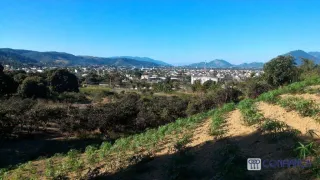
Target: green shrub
73	97
181	143
249	112
91	154
218	119
73	161
273	126
305	150
104	149
303	106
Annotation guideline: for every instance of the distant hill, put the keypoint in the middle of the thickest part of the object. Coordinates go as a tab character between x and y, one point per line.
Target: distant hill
219	63
146	59
9	57
315	54
256	65
21	57
65	59
299	54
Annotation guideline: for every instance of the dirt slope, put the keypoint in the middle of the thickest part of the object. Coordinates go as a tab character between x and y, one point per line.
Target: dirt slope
314	97
291	118
201	134
235	126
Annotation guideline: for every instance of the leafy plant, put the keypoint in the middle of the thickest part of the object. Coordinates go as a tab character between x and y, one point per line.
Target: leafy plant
303	106
249	111
305	150
49	171
218	119
73	161
104	149
273	126
181	143
91	154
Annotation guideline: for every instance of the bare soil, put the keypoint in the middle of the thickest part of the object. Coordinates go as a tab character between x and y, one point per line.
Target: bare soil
292	118
313	97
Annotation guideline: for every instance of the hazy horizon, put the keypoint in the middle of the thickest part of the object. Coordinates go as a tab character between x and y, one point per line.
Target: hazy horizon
179	33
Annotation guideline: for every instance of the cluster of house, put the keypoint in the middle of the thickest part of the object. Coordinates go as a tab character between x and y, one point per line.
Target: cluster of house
218	75
156	75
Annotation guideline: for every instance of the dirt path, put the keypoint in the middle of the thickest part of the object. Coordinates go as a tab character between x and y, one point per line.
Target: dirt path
313	97
201	134
235	126
291	118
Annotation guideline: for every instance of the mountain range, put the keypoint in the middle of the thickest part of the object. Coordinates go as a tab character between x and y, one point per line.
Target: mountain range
19	56
298	55
220	63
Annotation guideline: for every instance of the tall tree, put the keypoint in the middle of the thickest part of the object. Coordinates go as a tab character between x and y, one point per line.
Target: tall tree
7	84
33	86
64	81
280	70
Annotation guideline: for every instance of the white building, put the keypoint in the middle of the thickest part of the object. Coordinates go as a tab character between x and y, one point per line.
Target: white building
204	79
145	76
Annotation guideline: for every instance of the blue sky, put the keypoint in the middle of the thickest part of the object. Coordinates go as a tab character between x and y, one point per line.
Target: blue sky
176	31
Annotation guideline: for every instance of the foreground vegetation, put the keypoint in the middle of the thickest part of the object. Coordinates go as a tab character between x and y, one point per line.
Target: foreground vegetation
133	126
123	148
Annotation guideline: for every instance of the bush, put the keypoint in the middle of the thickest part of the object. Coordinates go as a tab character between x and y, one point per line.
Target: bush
280	70
249	112
64	81
227	94
73	97
201	104
304	107
33	87
7	84
256	87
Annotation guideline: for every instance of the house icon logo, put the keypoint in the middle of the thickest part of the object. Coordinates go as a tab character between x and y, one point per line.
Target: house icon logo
254	164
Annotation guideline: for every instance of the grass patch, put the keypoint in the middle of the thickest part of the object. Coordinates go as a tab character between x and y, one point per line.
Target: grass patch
302	106
250	112
297	87
273	126
218	119
181	143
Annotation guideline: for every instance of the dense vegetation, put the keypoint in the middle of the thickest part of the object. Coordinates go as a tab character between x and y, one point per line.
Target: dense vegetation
125	112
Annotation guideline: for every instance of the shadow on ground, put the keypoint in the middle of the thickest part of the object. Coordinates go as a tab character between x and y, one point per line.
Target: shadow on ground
221	159
20	151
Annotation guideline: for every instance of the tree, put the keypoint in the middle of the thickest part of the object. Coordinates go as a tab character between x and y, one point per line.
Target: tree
207	84
7	84
92	78
137	74
255	86
19	77
308	69
196	86
280	70
33	86
64	81
307	65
